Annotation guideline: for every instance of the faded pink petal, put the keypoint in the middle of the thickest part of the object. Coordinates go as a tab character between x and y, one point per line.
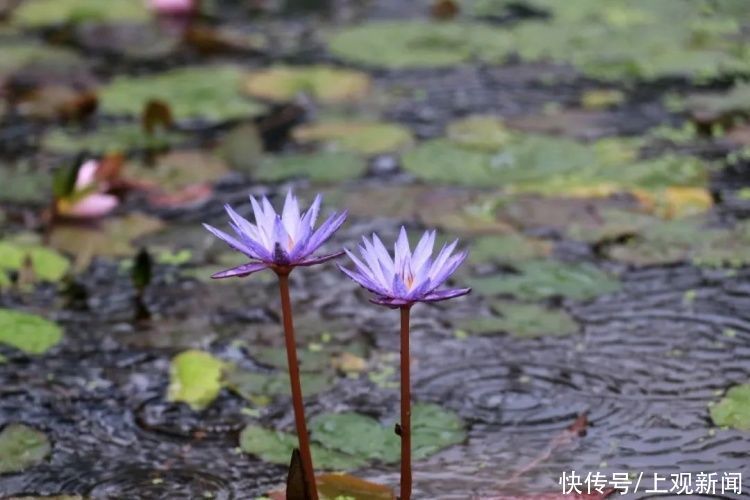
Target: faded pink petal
93	206
87	174
172	7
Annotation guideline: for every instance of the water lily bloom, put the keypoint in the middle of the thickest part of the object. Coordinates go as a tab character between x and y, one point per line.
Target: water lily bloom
172	7
407	277
88	201
278	241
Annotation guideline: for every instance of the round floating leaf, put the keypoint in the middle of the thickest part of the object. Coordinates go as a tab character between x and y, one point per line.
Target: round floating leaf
37	13
368	138
24	185
46	264
179	170
403	44
541	279
734	409
482	133
209	93
433	429
195	378
522	320
22	447
27	332
276	447
110	139
250	385
29	54
507	248
325	166
326	84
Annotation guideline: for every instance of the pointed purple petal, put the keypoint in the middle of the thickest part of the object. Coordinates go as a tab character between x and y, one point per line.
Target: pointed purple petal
319	260
445	294
362	281
448	269
325	231
230	240
240	271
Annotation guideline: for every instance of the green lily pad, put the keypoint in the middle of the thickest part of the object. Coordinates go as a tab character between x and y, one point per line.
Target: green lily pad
22	447
325	84
507	248
29	54
734	409
368	138
209	93
195	378
242	148
545	278
522	320
638	39
47	264
433	429
24	185
417	44
38	13
252	385
324	167
112	237
276	447
117	138
482	133
29	333
735	100
179	170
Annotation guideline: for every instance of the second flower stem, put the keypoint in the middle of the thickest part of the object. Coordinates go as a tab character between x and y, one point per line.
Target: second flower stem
405	426
294	380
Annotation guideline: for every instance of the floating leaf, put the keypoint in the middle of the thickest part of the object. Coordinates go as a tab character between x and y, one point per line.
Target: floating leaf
326	167
507	248
22	184
418	44
37	13
112	237
368	138
337	486
55	60
734	409
676	202
276	447
195	378
541	279
602	98
326	84
522	320
117	138
27	332
242	148
46	264
22	447
251	385
209	93
133	41
482	133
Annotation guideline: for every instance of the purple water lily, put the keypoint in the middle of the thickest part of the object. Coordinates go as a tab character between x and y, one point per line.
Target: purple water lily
407	277
278	241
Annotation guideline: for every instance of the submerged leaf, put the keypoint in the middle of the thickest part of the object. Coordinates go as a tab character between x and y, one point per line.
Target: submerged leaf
22	447
29	333
326	84
522	320
368	138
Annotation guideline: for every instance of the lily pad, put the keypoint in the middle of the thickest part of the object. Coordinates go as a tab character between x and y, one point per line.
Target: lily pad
112	237
29	54
276	447
24	185
417	44
46	264
734	409
368	138
195	378
325	167
22	447
29	333
482	133
545	278
522	320
252	385
211	93
507	248
38	13
433	429
117	138
325	84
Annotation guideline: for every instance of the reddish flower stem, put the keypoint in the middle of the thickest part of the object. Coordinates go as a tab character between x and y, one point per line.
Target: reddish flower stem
294	380
405	428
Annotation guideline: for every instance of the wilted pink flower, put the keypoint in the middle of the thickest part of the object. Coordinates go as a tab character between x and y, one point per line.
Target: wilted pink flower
88	200
407	277
275	241
172	7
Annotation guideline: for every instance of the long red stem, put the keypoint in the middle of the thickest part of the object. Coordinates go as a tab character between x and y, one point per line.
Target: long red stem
405	430
294	380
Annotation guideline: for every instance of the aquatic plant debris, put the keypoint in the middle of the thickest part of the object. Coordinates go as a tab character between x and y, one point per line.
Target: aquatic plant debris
734	408
22	447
